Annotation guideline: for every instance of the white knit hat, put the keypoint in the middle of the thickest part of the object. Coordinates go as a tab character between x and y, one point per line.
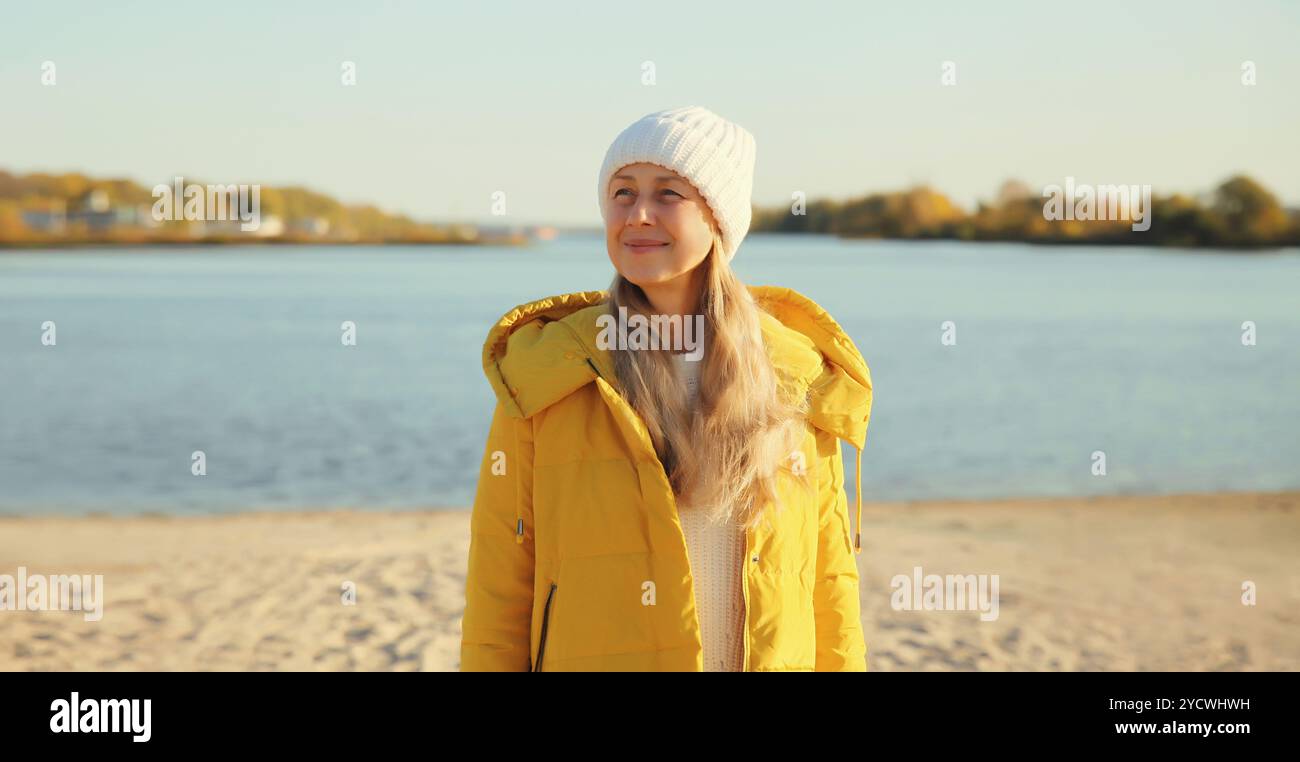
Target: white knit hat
715	155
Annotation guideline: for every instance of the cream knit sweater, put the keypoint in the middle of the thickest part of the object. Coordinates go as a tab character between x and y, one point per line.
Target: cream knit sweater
715	552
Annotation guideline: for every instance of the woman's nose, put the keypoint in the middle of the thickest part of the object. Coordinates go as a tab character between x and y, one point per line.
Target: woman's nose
640	211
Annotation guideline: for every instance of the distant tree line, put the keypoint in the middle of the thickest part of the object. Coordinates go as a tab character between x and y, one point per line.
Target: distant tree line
1239	213
44	208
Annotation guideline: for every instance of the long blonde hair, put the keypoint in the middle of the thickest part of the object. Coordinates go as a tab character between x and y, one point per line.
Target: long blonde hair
725	456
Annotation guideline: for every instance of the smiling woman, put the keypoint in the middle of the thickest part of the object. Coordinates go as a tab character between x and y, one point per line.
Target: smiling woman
636	511
658	228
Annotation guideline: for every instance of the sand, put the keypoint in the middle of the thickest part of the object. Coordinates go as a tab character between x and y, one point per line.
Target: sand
1118	583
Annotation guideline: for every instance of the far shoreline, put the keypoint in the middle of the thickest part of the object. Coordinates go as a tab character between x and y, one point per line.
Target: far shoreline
217	244
525	242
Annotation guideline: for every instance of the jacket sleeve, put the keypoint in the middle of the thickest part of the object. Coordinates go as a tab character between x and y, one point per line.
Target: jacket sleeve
499	582
841	646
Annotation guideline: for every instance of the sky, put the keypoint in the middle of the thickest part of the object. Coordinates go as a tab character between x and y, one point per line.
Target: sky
456	101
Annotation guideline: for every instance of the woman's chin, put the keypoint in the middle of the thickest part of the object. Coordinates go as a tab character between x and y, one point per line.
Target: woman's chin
647	277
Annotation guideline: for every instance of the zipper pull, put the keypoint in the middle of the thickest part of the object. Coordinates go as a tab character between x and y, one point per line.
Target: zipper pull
519	531
857	540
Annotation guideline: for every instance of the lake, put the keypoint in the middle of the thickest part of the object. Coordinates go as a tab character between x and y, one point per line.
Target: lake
1060	352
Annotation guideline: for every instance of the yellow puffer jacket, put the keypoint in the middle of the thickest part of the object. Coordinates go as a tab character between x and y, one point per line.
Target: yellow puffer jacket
577	561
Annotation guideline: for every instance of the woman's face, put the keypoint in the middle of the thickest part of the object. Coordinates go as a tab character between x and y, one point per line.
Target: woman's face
658	227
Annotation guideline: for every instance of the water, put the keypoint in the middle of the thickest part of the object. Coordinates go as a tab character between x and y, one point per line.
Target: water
235	351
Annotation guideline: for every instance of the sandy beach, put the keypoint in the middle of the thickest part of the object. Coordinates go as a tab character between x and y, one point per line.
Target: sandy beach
1116	583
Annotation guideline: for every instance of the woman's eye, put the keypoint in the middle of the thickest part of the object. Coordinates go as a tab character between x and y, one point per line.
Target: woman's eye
620	190
675	193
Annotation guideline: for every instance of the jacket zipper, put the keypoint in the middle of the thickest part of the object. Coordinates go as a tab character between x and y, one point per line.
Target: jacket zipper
546	619
744	592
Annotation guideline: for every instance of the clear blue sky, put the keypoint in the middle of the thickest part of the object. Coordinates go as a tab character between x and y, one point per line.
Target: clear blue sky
456	100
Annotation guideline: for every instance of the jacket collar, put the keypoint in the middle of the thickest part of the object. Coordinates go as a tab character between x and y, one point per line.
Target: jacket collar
541	352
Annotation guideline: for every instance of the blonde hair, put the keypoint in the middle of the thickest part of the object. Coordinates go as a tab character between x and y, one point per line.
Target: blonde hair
726	454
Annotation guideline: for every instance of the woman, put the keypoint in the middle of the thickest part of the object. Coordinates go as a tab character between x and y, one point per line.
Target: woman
647	502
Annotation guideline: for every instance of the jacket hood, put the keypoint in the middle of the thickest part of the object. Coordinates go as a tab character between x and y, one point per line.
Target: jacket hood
539	353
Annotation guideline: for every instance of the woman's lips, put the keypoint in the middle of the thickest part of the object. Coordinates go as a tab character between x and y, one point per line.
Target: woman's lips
637	248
